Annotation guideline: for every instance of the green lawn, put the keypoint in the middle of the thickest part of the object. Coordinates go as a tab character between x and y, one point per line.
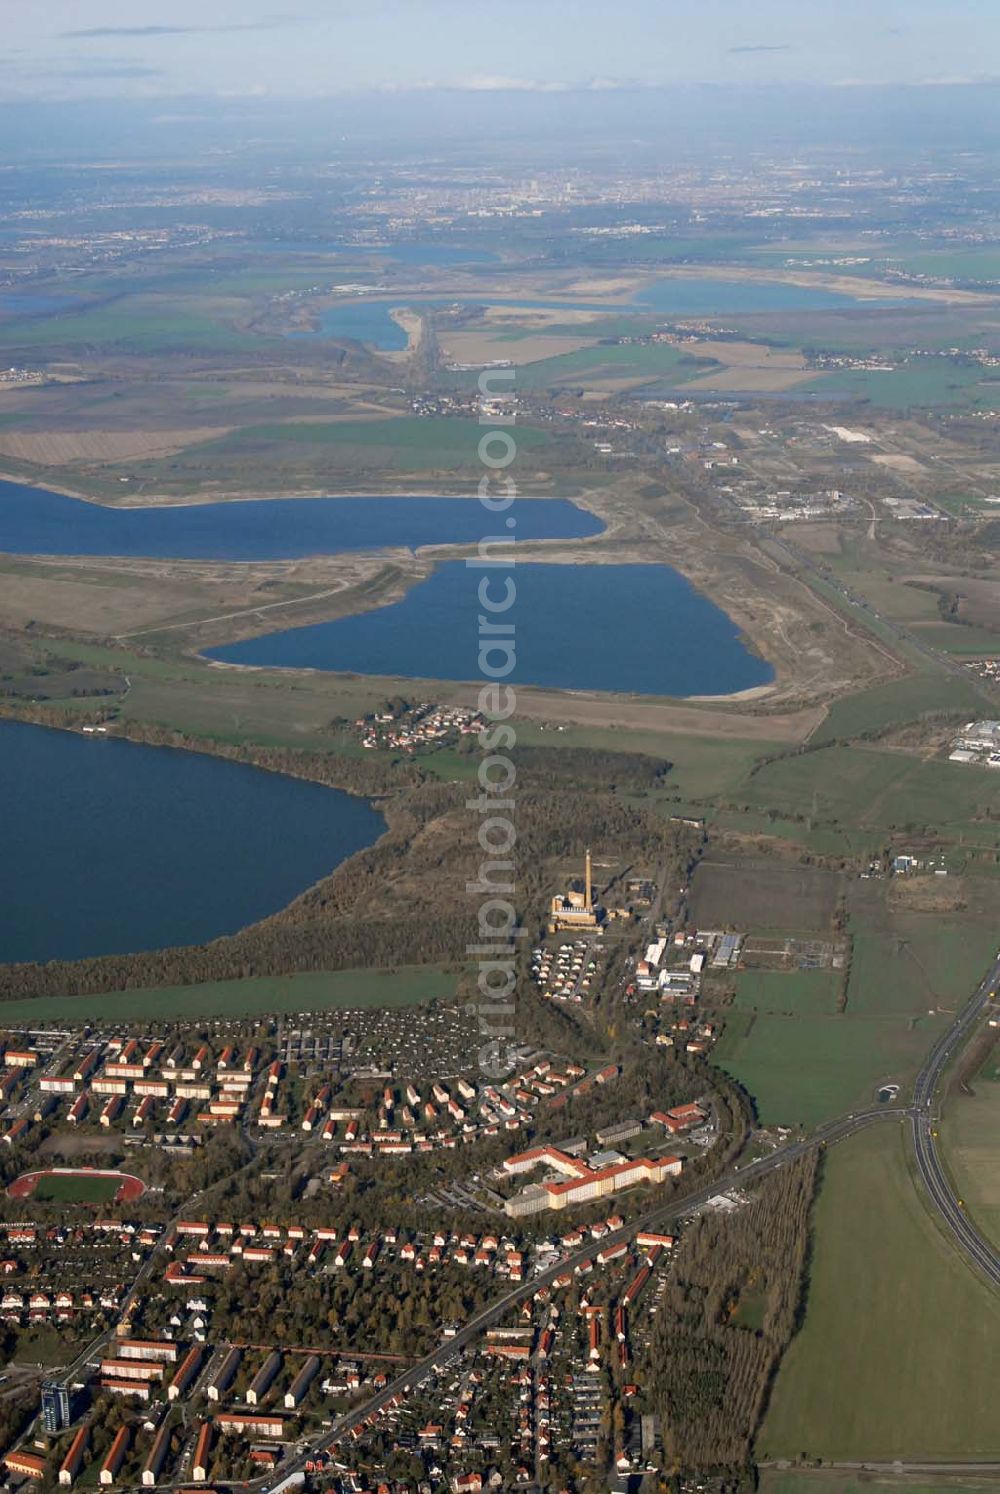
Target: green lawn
807	1069
897	1354
315	991
799	992
76	1188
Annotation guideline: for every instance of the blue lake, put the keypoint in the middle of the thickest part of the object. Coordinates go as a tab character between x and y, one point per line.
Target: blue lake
370	321
28	303
632	628
34	521
110	847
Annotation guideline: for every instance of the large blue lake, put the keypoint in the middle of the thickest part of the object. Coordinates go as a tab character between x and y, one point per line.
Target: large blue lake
110	847
704	295
34	521
637	628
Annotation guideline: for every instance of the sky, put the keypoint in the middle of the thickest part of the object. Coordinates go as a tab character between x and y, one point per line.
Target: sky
74	49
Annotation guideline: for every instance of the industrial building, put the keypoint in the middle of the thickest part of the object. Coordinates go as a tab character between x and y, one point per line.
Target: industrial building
576	910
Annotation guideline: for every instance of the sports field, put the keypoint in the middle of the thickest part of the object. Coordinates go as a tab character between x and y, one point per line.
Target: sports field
911	1330
77	1186
315	991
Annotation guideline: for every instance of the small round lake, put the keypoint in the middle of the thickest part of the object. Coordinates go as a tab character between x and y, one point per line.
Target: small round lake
34	521
111	847
641	629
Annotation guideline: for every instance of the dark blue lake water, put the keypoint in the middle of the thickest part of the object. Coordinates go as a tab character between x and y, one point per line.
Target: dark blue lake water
110	847
34	521
634	628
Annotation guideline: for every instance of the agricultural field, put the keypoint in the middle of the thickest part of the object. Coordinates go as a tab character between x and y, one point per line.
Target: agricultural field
807	1068
897	701
969	1131
805	993
924	383
910	1328
137	324
828	1481
874	789
916	968
763	893
617	366
316	991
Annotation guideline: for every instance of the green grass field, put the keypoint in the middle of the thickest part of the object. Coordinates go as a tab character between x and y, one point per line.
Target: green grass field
827	1481
431	437
970	1130
925	383
897	702
805	1069
341	990
76	1188
897	1354
959	640
146	324
878	789
810	993
914	969
617	361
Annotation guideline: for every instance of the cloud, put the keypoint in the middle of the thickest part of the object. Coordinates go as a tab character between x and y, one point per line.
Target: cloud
760	47
504	83
267	23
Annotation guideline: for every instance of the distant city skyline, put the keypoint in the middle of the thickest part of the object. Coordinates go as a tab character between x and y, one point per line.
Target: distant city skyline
317	48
